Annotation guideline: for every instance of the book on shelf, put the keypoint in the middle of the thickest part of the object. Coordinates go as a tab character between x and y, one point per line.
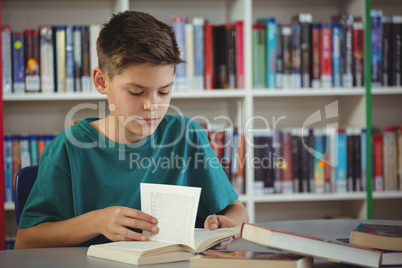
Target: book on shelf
240	259
332	250
358	53
168	245
7	63
259	57
377	236
376	42
396	51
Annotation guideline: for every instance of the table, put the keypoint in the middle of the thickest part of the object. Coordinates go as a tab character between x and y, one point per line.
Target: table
76	257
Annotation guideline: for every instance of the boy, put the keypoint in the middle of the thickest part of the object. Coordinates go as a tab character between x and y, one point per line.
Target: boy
87	189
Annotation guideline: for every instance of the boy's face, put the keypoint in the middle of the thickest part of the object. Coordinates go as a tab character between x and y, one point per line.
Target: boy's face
139	99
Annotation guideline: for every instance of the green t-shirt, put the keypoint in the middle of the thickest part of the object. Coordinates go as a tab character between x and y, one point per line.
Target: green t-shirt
81	171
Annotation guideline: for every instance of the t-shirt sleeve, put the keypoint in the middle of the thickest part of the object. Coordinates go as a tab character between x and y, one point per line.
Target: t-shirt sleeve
50	199
207	173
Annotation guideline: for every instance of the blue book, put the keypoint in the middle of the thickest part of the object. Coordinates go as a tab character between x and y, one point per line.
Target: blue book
376	45
6	59
198	53
337	55
69	58
18	63
271	34
178	24
33	149
8	169
342	156
296	56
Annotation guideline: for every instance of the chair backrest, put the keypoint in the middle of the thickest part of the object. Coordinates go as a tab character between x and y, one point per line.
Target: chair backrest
23	185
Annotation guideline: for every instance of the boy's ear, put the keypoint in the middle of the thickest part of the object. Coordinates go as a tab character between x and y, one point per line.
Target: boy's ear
99	78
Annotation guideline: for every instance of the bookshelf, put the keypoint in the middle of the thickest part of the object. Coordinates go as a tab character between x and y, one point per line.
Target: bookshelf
47	112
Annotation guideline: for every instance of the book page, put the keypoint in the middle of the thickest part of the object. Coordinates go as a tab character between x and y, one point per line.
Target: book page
175	208
205	238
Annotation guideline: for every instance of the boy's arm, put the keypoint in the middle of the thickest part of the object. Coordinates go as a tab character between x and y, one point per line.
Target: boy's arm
233	215
112	222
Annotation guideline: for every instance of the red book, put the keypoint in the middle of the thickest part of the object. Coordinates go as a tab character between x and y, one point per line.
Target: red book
378	164
326	55
239	55
208	56
358	54
315	56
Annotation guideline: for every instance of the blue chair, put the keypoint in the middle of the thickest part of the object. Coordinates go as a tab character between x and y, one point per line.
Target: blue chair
23	185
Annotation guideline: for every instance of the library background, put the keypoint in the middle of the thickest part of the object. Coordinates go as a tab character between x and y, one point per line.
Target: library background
306	121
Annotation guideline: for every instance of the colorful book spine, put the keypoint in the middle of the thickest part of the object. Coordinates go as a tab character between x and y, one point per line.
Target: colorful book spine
342	158
311	182
287	166
230	34
272	40
305	21
15	143
41	145
336	55
378	163
376	42
60	35
239	55
347	50
304	161
208	56
220	66
397	51
33	149
189	43
358	54
326	55
8	169
25	154
69	58
296	143
390	159
18	63
350	159
32	78
239	179
287	56
227	153
178	24
258	184
86	66
277	151
77	48
315	55
279	57
198	24
363	159
386	47
259	50
94	30
6	52
46	59
319	164
268	163
234	156
296	56
357	167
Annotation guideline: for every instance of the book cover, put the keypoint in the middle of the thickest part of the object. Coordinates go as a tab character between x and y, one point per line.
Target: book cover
46	59
86	67
178	25
390	159
270	52
287	57
15	143
396	50
33	149
233	259
31	45
342	160
69	58
309	245
326	55
386	47
77	48
378	163
209	56
336	55
315	55
319	164
305	20
384	237
358	53
279	57
287	169
376	42
60	36
259	57
190	59
239	55
6	60
18	63
94	30
347	50
198	24
230	35
268	163
8	169
221	81
296	56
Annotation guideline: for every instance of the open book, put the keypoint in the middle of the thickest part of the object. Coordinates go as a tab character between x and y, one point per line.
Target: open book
175	207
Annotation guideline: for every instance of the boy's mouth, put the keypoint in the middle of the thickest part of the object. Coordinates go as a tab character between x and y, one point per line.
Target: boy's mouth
149	121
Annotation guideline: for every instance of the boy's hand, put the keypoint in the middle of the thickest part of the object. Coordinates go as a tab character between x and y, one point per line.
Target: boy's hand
112	222
214	222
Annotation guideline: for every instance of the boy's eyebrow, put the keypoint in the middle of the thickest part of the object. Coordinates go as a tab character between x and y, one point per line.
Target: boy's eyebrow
142	87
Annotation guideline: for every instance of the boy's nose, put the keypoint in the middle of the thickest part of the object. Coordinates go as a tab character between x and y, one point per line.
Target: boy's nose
151	106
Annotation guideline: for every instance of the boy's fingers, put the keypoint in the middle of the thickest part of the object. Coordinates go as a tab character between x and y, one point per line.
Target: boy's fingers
138	214
211	223
139	224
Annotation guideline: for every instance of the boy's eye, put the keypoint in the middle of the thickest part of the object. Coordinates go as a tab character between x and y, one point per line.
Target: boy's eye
164	93
135	93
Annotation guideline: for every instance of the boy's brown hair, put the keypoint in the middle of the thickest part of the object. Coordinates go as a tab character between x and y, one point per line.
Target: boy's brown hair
135	37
